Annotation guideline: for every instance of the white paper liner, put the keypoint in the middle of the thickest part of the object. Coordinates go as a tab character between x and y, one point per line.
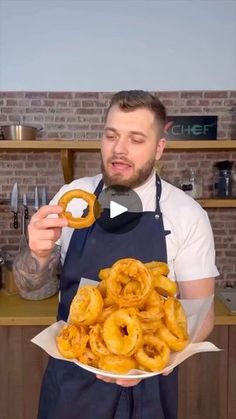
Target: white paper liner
196	311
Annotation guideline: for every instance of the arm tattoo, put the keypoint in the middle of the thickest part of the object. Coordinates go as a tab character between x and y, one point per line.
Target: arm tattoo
33	281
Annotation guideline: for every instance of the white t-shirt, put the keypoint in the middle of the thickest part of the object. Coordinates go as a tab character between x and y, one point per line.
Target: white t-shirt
190	245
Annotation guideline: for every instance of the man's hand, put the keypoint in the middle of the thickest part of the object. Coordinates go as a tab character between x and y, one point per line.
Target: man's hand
44	231
168	372
123	383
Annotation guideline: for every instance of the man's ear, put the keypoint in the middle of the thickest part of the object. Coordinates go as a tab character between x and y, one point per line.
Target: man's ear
160	148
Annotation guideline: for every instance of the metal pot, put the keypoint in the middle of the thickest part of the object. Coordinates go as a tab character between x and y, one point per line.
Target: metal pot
18	132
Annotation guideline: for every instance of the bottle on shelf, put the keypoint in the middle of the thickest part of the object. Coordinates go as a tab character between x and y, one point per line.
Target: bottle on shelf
191	183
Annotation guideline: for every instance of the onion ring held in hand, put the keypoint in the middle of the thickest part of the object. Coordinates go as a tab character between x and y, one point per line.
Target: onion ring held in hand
86	306
71	341
153	355
94	209
118	364
122	332
124	271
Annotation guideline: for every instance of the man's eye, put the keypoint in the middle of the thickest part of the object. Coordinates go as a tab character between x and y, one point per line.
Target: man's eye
136	140
110	136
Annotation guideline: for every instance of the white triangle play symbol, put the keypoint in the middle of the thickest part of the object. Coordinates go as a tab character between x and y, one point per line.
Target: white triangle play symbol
116	209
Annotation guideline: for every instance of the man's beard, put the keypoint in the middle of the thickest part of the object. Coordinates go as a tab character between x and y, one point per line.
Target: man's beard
134	181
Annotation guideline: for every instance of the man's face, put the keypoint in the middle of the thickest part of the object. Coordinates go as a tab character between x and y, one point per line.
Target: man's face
130	146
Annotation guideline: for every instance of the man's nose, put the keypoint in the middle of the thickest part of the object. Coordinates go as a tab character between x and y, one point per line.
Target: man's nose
120	146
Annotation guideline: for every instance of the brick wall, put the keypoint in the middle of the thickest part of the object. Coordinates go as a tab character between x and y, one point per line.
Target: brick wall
80	115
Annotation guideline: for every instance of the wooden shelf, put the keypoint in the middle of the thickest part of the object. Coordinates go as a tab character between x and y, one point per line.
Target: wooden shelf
67	147
90	145
217	203
50	145
202	145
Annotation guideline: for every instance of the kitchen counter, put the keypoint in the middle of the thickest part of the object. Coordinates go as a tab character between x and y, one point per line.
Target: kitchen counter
15	311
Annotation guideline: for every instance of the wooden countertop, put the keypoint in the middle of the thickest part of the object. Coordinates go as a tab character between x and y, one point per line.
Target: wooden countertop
15	311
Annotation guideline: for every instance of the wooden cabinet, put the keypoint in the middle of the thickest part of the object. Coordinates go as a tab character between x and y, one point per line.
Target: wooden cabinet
21	369
204	380
232	373
207	381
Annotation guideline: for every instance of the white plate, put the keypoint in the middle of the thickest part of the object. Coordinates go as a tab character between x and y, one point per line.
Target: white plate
47	341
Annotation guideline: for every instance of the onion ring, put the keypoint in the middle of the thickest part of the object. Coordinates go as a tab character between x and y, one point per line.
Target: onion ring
124	271
104	273
102	287
96	341
164	285
175	318
153	355
88	357
158	268
94	209
174	343
86	306
71	341
106	312
153	308
150	326
118	364
122	332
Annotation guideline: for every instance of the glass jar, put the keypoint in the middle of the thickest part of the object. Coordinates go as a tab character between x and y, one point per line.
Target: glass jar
191	184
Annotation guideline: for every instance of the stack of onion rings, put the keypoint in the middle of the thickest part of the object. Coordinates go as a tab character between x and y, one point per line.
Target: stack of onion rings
130	321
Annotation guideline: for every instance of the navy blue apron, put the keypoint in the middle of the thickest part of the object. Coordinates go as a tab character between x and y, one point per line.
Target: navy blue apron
70	392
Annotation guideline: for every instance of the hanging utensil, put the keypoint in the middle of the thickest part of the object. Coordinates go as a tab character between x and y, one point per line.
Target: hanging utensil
44	196
14	204
25	205
36	199
23	238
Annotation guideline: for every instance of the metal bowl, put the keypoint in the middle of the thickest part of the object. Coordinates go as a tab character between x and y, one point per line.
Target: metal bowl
18	132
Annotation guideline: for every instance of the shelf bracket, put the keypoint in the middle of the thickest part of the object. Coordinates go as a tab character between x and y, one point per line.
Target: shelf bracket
67	165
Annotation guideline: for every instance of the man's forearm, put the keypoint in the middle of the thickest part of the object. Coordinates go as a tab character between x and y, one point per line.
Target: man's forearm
30	275
207	326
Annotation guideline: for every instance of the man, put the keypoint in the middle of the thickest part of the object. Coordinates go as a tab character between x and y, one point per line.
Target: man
173	228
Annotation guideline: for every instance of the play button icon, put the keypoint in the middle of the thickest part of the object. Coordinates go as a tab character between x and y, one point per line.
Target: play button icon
121	209
116	209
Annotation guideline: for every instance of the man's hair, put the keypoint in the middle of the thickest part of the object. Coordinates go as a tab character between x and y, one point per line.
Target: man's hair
130	100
